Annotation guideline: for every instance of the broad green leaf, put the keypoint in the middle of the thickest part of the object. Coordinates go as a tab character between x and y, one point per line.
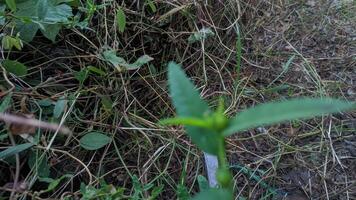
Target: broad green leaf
59	107
214	194
27	31
38	163
120	64
15	67
5	104
201	35
188	103
51	31
277	112
94	141
42	8
121	20
29	21
11	4
14	150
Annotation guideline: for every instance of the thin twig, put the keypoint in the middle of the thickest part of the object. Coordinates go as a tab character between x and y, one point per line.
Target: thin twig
15	119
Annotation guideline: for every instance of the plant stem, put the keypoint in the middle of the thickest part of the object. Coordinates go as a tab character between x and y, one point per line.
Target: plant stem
224	176
222	153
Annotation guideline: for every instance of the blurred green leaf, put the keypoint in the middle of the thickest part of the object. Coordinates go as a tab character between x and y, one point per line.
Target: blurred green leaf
59	107
42	8
15	67
35	15
203	183
107	103
152	5
14	150
182	192
82	75
277	112
5	104
188	103
96	70
38	163
201	35
121	20
53	183
11	4
120	64
94	141
8	42
214	194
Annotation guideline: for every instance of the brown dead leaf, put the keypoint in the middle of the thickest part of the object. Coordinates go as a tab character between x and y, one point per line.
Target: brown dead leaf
21	128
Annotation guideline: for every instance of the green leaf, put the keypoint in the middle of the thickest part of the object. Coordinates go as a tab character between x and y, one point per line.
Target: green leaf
42	8
201	35
203	183
14	150
38	163
2	15
276	112
51	31
94	141
96	70
120	64
182	192
214	194
54	183
15	67
188	103
5	104
59	107
82	75
8	42
120	20
31	18
11	4
107	103
152	5
155	192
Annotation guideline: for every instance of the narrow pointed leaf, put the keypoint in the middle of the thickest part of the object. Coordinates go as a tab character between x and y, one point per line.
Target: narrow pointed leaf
277	112
121	20
187	121
188	103
14	150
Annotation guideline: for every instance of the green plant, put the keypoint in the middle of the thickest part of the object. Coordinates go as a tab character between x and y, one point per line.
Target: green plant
26	17
208	129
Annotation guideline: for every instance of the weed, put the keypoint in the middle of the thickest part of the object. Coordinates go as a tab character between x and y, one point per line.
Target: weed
208	129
